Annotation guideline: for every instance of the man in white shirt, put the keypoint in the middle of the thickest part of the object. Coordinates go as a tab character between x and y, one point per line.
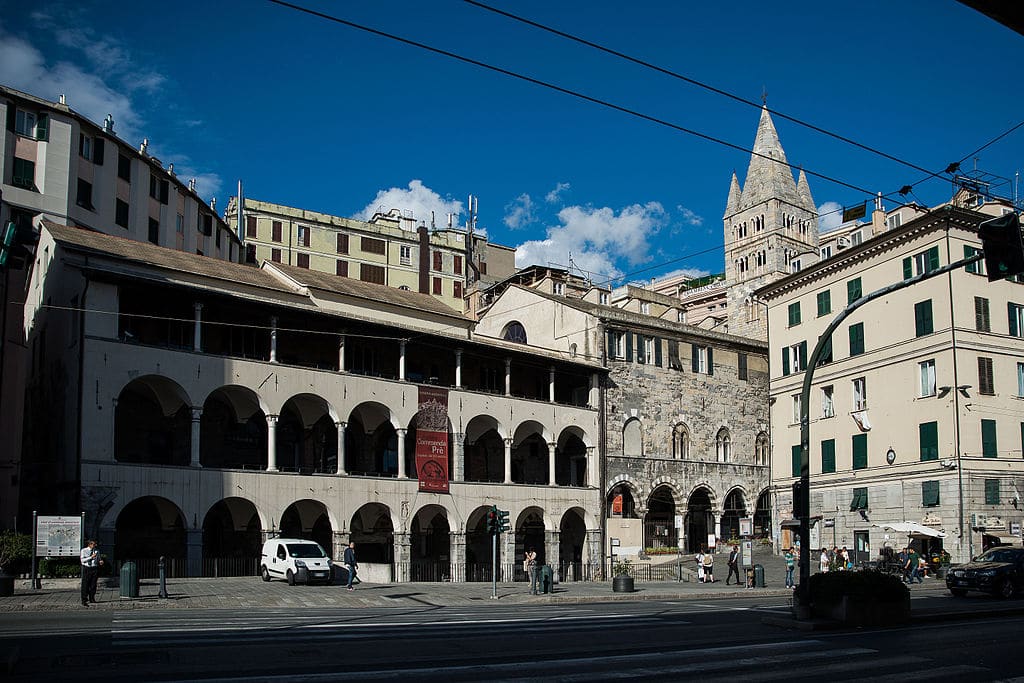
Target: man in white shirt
90	572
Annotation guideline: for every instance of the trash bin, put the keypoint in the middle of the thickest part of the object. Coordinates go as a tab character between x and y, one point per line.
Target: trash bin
546	578
129	580
758	576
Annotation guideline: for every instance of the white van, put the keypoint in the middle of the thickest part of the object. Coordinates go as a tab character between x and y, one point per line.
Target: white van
295	560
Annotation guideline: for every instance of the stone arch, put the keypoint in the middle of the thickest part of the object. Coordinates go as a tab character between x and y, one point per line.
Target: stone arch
309	519
762	448
680	441
629	492
307	435
633	437
373	532
150	527
530	453
530	527
763	515
371	441
479	560
232	528
484	450
723	445
571	458
699	519
659	519
430	547
419	418
572	544
733	509
233	429
153	422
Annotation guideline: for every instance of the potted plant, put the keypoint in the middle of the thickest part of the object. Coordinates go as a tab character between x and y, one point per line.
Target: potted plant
622	577
14	548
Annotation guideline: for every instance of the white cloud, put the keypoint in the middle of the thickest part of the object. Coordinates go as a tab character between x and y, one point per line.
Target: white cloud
556	194
689	217
519	212
417	200
597	238
830	216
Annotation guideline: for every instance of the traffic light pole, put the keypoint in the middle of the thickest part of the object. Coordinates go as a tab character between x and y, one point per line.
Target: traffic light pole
802	503
494	566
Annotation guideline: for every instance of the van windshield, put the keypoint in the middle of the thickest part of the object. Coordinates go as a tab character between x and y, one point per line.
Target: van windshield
305	550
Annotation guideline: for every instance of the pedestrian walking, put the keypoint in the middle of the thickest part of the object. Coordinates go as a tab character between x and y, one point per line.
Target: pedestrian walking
790	559
709	566
90	557
912	569
530	567
700	564
350	563
823	561
734	565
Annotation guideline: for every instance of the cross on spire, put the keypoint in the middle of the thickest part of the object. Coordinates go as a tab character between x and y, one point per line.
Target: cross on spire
764	95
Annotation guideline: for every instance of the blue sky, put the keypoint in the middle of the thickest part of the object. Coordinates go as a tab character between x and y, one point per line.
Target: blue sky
322	116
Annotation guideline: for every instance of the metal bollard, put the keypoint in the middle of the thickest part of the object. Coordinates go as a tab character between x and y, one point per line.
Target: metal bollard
163	578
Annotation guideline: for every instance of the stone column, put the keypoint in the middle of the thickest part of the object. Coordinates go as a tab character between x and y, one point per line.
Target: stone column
592	466
197	337
341	446
458	457
112	444
552	451
457	556
341	539
508	461
508	376
403	555
194	552
595	388
273	339
551	384
197	415
401	361
593	554
341	353
458	368
553	551
716	519
401	453
272	443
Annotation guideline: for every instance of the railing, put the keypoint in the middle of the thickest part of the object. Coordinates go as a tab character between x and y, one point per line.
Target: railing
178	567
231	566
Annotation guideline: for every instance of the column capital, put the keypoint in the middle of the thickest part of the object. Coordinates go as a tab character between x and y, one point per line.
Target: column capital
197	412
341	425
198	305
401	431
272	419
508	442
508	362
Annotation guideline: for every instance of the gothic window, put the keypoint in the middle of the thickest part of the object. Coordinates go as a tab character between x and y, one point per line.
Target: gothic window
632	438
514	332
680	442
761	449
723	444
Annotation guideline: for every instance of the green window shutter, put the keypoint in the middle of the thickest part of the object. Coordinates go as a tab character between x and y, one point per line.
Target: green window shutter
853	290
971	267
641	351
908	268
803	355
928	436
43	127
785	361
860	451
695	357
657	351
857	339
1022	438
794	314
991	492
826	352
860	499
629	346
933	259
711	361
1011	314
929	493
828	456
988	439
923	318
610	349
824	303
97	151
796	461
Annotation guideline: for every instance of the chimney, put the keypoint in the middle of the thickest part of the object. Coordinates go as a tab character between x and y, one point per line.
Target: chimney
144	146
878	217
108	124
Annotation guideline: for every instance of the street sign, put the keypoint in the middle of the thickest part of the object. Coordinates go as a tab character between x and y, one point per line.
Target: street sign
746	526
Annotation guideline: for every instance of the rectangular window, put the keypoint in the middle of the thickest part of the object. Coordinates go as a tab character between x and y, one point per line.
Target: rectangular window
1015	319
404	254
342	243
828	456
826	252
438	262
302	235
559	288
124	167
923	323
860	394
989	448
250	226
121	213
154	231
922	262
1020	380
617	347
853	290
25	123
371	273
928	439
205	224
797	456
702	360
982	321
649	350
602	299
302	260
860	451
856	339
828	405
84	197
986	384
824	303
275	231
457	264
794	314
341	268
275	255
645	307
24	174
741	366
991	492
179	225
250	253
372	245
796	409
978	267
926	371
894	221
860	499
436	285
154	187
929	494
85	146
165	191
457	289
794	358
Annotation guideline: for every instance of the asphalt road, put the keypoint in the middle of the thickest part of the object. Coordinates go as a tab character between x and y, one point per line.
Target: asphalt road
662	640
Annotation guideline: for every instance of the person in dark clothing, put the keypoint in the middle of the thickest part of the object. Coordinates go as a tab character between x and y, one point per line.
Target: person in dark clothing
350	563
91	561
733	562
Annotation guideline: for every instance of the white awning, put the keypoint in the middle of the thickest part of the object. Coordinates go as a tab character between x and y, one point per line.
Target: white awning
912	529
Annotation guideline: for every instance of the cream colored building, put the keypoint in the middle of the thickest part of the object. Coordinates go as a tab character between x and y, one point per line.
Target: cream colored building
193	409
389	249
918	413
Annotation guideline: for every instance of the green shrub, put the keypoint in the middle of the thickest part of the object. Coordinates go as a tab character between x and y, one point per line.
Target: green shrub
624	568
859	586
15	550
60	568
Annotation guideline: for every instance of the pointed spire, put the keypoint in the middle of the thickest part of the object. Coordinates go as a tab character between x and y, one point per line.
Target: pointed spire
732	205
768	175
804	190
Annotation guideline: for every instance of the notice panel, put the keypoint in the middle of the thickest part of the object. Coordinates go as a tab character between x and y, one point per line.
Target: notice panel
432	440
58	536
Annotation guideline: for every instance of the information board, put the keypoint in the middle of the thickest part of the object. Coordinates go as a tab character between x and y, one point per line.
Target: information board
58	536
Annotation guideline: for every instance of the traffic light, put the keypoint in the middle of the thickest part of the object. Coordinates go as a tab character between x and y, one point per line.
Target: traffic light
492	520
799	500
1004	250
7	242
503	523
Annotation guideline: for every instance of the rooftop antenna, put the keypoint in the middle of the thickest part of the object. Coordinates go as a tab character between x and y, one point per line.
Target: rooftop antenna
433	226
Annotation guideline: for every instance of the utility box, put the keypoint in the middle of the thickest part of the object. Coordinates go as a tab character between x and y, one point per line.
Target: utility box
758	576
129	580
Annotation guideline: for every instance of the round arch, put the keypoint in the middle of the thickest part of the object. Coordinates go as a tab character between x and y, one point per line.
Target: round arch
430	551
484	450
571	458
307	435
479	560
621	499
699	521
309	519
530	453
233	429
734	508
659	521
231	530
148	528
153	422
373	532
529	527
572	544
763	515
371	441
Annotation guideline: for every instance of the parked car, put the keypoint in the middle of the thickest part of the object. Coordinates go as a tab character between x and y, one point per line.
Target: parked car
295	560
999	571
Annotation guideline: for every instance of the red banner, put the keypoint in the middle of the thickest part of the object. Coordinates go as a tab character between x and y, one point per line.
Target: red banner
617	504
432	440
